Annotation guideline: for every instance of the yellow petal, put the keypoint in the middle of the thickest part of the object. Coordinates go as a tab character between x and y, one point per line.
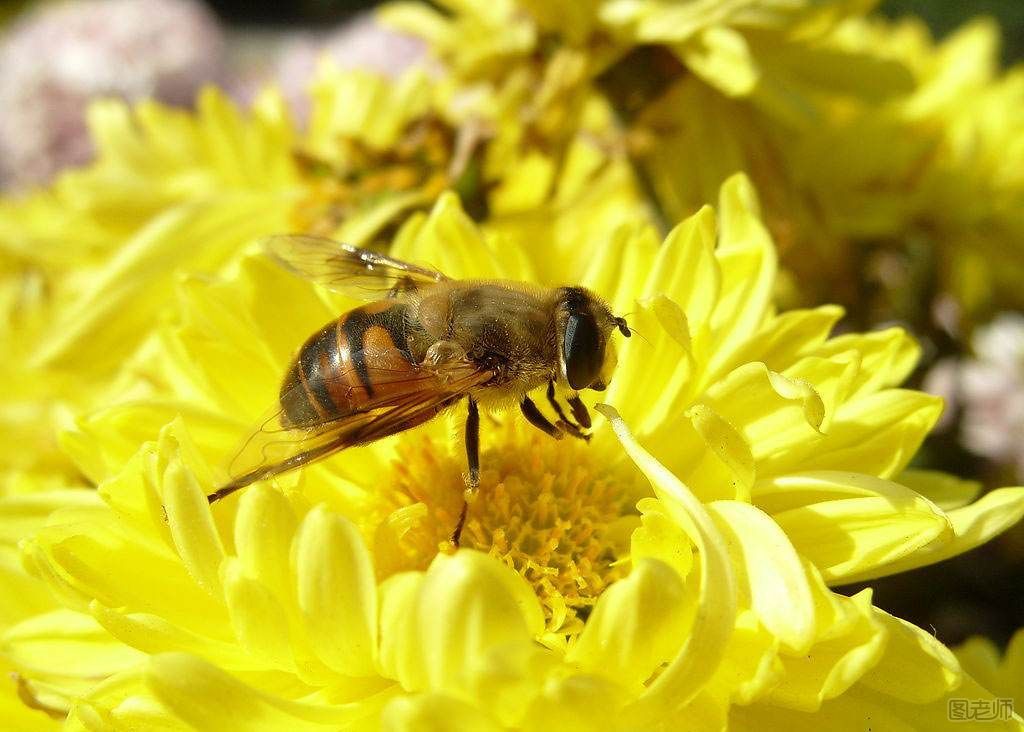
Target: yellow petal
106	320
849	712
716	605
726	462
748	263
915	667
979	658
685	269
787	337
450	242
769	572
191	524
944	490
153	634
887	357
257	617
207	698
66	643
877	434
264	528
655	389
972	525
721	57
845	537
337	592
435	713
659	537
579	704
770	411
20	514
635	626
465	607
831	666
751	668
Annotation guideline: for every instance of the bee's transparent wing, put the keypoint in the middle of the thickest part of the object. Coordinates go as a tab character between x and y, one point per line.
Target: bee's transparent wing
358	273
276	447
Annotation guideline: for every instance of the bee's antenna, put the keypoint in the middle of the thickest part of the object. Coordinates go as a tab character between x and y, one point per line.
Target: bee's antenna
642	336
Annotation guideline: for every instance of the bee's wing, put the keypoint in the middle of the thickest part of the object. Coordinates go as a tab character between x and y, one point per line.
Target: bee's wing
411	399
350	270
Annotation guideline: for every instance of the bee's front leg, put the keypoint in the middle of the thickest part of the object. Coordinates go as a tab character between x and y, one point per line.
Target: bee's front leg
473	460
579	410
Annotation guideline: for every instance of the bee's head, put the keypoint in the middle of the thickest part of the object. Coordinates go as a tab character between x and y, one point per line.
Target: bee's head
585	324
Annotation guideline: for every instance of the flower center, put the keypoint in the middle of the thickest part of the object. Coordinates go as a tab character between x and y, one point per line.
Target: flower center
553	511
428	159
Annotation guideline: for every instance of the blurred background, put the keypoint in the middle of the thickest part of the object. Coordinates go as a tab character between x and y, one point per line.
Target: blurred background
170	48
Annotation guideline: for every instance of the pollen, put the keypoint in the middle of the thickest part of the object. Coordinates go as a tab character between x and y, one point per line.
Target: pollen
357	177
554	511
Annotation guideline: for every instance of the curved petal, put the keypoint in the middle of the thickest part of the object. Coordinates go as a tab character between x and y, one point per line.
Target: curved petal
972	525
849	524
836	661
716	607
207	698
441	626
435	713
946	491
635	626
579	704
769	572
685	269
749	263
337	592
190	521
915	667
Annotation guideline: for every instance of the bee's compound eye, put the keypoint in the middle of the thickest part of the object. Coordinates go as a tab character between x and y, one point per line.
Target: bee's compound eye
582	350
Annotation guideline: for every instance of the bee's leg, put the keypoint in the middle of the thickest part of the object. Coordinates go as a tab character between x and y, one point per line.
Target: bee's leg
564	422
473	459
579	411
473	444
538	420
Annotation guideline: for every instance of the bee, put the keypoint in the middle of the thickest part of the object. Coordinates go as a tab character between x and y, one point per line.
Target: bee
421	344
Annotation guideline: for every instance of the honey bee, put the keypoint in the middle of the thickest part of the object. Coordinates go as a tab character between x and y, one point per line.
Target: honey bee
422	344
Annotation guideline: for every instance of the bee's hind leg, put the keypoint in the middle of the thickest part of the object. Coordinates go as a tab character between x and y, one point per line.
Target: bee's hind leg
579	410
473	460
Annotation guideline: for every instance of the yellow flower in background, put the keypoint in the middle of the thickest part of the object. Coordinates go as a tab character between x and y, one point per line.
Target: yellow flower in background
90	262
682	579
888	163
933	176
1002	674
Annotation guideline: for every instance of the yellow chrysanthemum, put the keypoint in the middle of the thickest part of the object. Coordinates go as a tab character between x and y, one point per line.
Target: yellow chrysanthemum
890	166
1002	674
939	168
88	264
683	579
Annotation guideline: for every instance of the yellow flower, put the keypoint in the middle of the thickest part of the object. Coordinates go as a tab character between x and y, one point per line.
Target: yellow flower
939	167
1001	674
682	578
88	264
886	161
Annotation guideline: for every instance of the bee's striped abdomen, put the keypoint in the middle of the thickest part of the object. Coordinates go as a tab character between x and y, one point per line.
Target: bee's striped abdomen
346	364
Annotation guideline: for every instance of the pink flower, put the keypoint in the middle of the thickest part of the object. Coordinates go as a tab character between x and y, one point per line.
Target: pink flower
58	57
989	389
